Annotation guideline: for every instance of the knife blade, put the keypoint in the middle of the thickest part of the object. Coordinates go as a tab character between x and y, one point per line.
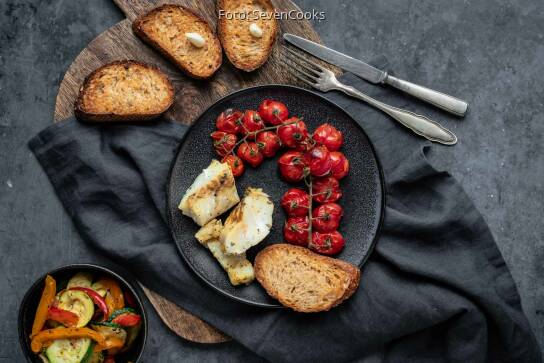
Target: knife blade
350	64
374	75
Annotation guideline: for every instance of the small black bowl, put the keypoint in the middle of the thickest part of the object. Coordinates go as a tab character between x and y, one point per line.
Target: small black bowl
31	299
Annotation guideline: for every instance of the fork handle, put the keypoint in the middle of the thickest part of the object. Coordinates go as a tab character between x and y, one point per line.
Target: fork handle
421	125
447	103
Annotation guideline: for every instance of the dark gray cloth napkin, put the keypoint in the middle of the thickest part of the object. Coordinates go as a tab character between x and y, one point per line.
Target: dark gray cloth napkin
435	289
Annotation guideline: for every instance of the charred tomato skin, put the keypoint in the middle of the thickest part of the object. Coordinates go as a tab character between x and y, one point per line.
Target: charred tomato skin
326	217
250	153
329	136
296	230
327	243
326	190
236	165
230	121
339	165
273	112
269	143
292	166
295	202
223	142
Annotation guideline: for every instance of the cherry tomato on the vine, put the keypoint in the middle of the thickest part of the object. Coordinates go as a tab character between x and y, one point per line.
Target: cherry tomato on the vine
326	217
292	166
329	136
236	165
293	135
223	142
295	202
229	121
250	153
319	161
327	243
340	165
269	143
273	112
326	190
296	230
251	122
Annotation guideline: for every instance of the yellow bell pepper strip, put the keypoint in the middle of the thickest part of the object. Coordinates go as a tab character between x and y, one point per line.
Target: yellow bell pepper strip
46	336
46	301
114	294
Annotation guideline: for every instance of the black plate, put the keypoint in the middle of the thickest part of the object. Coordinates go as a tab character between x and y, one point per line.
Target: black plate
363	198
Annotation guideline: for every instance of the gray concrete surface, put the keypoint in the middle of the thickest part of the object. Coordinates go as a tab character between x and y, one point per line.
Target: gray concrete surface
488	52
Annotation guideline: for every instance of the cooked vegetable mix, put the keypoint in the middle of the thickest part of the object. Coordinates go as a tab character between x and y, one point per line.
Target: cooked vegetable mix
85	323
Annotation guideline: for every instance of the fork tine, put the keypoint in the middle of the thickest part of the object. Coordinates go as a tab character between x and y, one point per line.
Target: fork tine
301	61
300	55
294	63
304	80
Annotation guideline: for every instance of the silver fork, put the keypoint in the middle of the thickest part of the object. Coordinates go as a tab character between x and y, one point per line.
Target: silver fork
324	80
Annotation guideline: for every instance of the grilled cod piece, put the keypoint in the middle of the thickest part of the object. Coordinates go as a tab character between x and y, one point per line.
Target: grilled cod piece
238	268
212	193
249	223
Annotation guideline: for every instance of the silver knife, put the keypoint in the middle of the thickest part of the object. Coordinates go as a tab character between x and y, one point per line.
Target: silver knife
374	75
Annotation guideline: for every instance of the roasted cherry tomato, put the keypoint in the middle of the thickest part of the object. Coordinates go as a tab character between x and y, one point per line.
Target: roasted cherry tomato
273	112
326	217
326	190
319	161
294	135
223	143
249	152
296	230
327	243
236	165
293	168
251	122
269	143
329	136
295	202
229	121
340	165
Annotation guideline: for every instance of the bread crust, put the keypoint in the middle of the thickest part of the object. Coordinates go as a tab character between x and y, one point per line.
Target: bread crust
82	114
137	28
229	41
352	276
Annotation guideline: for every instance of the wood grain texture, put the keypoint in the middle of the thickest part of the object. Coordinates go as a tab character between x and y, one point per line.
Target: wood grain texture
192	98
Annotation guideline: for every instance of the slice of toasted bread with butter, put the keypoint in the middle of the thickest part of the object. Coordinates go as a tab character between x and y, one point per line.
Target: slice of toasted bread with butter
238	268
249	223
183	37
303	280
247	39
124	91
212	193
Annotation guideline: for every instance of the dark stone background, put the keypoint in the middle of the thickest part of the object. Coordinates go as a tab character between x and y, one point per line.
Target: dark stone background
488	52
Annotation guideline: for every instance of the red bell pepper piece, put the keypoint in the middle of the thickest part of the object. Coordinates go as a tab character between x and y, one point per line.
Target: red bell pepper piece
96	298
127	319
65	317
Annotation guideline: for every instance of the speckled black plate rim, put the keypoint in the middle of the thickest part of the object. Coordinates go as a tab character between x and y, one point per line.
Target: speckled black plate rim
237	94
129	284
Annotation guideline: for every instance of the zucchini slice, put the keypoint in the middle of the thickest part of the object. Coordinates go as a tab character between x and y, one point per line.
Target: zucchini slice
81	279
95	357
78	303
99	288
69	350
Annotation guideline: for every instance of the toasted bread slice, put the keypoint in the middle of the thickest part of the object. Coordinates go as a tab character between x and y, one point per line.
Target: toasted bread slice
165	29
249	223
212	193
303	280
245	50
124	91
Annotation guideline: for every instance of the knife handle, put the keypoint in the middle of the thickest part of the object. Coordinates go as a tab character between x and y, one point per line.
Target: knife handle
447	103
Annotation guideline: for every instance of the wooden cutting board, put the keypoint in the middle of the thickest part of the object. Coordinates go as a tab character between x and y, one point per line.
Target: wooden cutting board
192	98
